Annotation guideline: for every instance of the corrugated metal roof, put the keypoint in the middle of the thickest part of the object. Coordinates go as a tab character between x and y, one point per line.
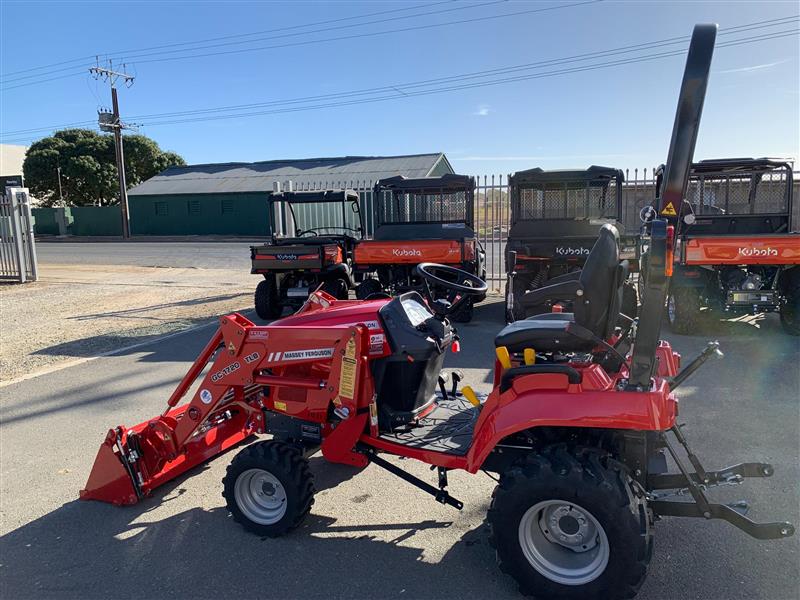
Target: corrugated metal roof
345	171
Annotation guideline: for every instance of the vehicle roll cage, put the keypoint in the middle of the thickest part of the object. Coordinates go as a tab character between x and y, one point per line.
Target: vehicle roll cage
449	183
756	168
316	197
570	179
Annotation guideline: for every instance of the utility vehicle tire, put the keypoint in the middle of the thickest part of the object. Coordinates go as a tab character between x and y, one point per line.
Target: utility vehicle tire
464	312
336	288
269	488
790	311
550	506
267	300
368	287
683	310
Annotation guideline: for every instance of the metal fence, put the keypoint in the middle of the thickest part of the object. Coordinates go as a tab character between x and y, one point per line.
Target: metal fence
492	210
17	246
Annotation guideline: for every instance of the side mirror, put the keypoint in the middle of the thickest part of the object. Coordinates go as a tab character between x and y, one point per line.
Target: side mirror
512	261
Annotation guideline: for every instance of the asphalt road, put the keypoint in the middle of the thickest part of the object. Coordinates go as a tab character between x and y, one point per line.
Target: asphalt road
202	254
369	535
205	255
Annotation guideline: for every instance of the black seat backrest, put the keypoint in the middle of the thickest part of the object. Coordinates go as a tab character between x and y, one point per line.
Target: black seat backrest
602	287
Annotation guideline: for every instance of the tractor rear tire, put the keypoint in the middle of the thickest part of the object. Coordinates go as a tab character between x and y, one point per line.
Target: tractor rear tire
550	506
337	288
368	287
269	488
790	312
683	311
267	301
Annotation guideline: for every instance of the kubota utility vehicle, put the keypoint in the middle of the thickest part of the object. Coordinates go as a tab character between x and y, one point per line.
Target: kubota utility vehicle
738	251
323	227
429	219
578	427
555	216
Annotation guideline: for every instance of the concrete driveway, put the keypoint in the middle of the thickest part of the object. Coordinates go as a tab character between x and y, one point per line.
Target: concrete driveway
369	535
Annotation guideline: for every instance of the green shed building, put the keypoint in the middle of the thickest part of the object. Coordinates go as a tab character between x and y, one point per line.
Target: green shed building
230	198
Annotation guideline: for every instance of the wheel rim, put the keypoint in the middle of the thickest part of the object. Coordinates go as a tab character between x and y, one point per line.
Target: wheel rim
671	308
260	496
564	542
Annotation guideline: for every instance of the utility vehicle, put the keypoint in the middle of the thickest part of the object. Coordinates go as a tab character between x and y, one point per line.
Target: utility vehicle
739	253
578	426
430	219
555	216
313	236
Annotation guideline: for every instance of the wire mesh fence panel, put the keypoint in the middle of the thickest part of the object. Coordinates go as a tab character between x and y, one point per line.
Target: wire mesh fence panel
17	246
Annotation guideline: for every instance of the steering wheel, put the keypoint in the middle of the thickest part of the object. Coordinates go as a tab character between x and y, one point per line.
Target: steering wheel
311	231
461	285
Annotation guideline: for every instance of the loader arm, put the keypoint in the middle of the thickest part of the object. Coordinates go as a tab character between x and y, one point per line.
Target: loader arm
246	368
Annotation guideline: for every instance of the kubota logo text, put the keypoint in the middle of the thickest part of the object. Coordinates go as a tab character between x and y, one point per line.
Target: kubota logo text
758	252
287	256
565	251
406	252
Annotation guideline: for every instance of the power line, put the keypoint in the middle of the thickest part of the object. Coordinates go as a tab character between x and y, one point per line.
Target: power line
408	88
111	54
323	40
142	51
460	87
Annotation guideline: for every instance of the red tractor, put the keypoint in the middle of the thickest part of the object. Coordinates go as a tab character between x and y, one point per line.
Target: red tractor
578	427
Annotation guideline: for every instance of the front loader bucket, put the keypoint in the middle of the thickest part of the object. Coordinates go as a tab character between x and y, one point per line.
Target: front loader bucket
131	463
109	481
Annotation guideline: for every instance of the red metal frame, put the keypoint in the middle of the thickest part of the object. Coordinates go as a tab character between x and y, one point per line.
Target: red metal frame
320	357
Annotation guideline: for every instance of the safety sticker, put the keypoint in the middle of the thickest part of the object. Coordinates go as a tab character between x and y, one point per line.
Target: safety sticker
279	405
376	343
205	396
347	377
669	210
258	334
373	413
306	354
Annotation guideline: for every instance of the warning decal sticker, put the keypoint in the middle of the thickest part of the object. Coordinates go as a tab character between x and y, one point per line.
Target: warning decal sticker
669	210
347	377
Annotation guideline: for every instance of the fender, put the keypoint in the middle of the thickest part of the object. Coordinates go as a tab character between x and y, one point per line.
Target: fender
549	400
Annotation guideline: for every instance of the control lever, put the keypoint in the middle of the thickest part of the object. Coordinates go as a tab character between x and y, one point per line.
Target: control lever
457	376
443	377
712	349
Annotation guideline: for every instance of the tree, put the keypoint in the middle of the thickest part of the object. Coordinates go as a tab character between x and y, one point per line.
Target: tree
88	166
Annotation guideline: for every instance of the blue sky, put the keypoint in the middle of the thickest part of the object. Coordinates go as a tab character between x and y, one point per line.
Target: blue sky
618	116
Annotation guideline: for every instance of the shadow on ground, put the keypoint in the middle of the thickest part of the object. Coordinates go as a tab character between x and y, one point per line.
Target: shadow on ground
202	553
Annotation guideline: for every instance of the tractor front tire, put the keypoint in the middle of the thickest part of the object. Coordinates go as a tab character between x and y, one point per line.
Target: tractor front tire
571	524
790	311
267	301
683	310
368	287
269	488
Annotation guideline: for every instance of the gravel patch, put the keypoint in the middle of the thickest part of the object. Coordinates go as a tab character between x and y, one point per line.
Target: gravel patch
78	311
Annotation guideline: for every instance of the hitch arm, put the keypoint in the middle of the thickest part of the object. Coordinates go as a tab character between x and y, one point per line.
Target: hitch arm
733	474
760	531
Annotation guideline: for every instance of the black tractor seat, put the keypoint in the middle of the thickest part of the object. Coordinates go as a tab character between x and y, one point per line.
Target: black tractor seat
596	296
546	334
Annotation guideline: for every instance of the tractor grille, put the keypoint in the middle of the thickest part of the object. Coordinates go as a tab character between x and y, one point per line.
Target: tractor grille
568	200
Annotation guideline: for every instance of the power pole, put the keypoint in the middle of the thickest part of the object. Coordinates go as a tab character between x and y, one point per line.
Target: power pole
112	122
